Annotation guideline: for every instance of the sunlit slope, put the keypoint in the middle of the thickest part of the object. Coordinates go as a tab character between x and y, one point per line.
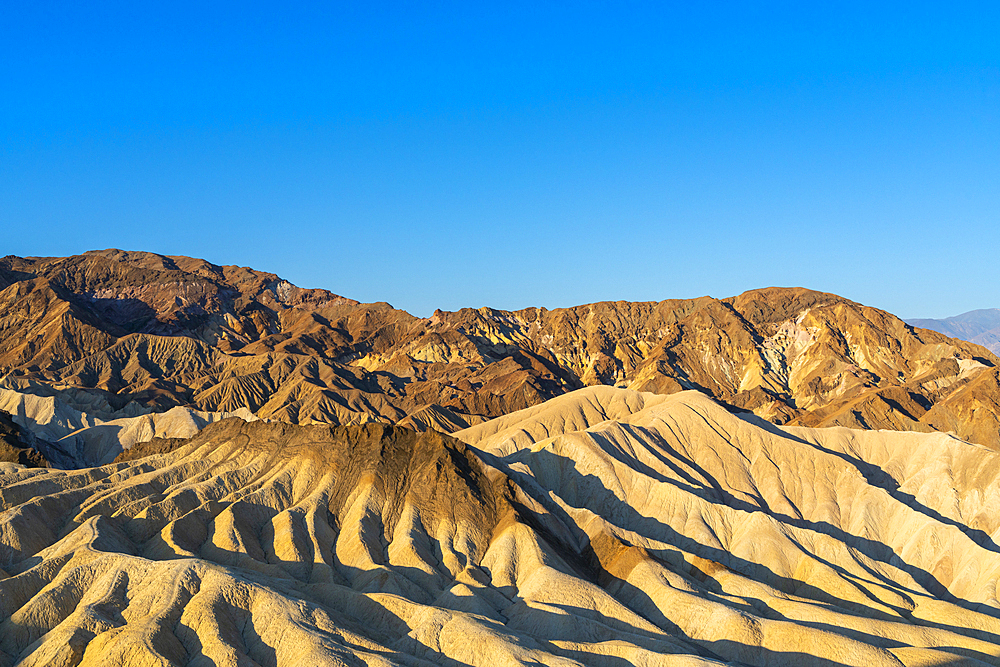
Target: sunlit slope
89	433
605	527
143	332
804	538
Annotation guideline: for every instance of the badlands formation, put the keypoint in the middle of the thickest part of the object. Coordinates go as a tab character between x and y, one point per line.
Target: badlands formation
605	527
113	335
206	465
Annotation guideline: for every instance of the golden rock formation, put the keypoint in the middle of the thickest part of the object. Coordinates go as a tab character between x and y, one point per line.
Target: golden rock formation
604	527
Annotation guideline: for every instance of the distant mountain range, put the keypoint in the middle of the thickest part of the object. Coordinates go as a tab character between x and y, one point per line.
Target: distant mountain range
111	335
976	326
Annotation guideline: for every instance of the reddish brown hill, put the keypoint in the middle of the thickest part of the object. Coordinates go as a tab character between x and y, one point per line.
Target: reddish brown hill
163	331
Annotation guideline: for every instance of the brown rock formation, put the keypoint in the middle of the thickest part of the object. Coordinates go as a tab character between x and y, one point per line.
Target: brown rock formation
164	331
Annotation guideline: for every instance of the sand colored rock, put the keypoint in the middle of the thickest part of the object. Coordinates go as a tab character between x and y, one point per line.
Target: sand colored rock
604	527
71	438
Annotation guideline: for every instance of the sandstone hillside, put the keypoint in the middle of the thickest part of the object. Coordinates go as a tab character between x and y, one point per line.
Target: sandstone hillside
605	527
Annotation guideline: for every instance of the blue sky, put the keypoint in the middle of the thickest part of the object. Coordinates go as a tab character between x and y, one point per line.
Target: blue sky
441	155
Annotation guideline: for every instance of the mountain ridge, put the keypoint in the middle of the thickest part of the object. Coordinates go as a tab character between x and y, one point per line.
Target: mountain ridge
157	332
976	326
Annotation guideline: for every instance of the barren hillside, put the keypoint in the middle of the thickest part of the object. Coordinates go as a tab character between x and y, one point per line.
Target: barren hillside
115	334
605	527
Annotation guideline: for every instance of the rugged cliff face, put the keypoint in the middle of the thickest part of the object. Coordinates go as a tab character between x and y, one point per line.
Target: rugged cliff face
146	332
788	355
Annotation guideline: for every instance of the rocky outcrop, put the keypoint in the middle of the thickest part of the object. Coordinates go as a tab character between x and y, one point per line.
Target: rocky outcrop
144	333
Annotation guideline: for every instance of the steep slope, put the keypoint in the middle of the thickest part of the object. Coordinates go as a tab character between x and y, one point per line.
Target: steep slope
976	326
143	332
606	527
66	437
16	444
133	327
788	355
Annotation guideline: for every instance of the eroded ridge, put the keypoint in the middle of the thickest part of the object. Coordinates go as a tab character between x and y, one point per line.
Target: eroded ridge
110	348
606	527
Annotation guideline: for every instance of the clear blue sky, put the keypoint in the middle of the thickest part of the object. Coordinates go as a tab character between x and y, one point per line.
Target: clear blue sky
441	155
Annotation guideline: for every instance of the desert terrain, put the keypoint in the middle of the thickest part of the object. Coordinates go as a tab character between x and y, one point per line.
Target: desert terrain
207	465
